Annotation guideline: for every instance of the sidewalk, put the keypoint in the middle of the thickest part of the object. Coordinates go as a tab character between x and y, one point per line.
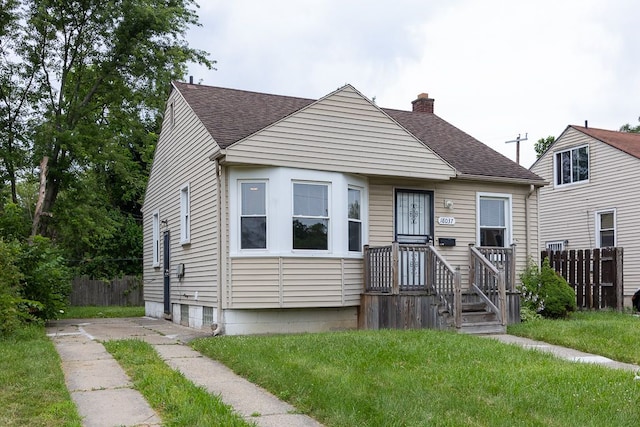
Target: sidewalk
565	353
105	396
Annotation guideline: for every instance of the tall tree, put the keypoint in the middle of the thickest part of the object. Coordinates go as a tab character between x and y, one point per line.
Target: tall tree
17	97
542	144
628	128
104	73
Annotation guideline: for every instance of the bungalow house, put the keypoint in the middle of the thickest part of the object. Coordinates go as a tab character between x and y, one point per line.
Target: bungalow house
593	199
267	213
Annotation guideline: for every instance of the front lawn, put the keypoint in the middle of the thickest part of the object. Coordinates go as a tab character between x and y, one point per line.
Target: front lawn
418	378
606	333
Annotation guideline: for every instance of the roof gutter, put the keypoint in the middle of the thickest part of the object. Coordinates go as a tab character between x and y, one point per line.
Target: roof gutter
218	156
502	179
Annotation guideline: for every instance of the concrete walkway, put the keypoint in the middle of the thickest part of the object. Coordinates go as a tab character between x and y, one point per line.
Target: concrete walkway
105	397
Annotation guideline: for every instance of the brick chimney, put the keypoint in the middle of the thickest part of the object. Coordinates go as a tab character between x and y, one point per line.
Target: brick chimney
423	104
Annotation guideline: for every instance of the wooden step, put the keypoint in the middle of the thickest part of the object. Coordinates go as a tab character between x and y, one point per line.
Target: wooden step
483	328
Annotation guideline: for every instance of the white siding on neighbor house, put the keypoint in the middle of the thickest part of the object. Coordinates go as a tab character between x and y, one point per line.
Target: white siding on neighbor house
182	157
342	132
280	282
463	195
569	212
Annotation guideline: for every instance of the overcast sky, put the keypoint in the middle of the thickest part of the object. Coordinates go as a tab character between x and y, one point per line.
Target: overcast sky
496	69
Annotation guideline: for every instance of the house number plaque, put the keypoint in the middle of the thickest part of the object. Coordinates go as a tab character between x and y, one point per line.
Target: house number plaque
446	220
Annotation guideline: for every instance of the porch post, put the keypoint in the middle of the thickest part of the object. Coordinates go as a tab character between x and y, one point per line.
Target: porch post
502	297
457	298
395	286
472	266
512	268
366	268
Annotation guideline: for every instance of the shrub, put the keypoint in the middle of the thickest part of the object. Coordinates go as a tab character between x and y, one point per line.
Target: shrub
545	292
46	278
14	310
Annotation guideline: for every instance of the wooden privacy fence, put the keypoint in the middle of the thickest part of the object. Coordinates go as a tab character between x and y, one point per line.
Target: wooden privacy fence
126	291
594	274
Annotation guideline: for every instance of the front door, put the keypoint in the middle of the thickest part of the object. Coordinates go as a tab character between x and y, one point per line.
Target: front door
413	226
167	272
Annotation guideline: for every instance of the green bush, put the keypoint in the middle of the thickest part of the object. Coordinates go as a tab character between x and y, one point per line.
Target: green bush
45	278
545	292
14	310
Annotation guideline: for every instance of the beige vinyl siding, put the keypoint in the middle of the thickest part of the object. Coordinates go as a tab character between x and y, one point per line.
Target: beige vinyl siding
294	282
463	195
182	157
341	133
568	213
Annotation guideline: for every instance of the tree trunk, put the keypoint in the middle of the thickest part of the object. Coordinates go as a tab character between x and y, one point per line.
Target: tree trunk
41	192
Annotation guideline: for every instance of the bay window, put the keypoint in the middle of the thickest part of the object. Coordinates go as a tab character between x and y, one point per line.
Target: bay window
310	216
253	215
354	219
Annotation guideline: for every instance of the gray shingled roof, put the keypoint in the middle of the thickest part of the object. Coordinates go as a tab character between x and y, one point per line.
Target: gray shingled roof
231	115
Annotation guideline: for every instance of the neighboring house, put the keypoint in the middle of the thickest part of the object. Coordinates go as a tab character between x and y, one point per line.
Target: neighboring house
258	206
592	200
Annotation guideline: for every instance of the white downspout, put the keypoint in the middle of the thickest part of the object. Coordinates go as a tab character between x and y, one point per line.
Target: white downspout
532	189
219	326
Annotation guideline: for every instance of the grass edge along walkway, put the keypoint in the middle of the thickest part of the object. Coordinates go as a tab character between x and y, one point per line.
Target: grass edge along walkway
177	400
32	387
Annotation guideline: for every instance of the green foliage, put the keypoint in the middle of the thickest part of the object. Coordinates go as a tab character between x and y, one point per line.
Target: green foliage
545	292
12	313
628	128
543	144
14	223
45	278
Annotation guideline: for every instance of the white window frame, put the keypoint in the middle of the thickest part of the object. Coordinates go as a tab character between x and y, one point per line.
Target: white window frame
279	210
266	213
185	214
508	206
598	226
327	217
556	166
355	220
155	225
555	245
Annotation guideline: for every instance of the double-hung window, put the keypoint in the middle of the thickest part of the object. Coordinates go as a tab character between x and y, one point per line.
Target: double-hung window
185	215
310	216
606	229
156	238
253	215
493	222
355	219
572	165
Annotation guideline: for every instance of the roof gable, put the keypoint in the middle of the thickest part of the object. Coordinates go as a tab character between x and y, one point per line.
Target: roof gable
343	132
232	115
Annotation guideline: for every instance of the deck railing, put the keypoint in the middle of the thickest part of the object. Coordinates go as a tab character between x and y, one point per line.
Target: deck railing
488	282
400	268
502	259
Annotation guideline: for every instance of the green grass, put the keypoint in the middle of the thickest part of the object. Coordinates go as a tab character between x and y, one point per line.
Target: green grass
418	378
93	312
32	388
607	333
177	400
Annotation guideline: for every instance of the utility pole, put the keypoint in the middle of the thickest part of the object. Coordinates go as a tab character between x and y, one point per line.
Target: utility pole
517	141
